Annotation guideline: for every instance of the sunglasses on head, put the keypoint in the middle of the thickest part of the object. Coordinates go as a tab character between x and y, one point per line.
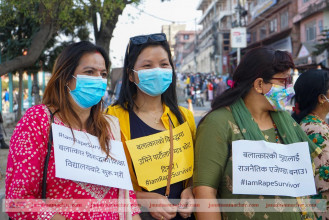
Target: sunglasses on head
142	39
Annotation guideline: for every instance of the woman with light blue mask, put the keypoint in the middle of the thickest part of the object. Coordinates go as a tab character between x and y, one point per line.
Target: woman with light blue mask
72	103
147	106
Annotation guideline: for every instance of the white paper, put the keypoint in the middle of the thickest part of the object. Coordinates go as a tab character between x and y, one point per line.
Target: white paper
82	160
263	168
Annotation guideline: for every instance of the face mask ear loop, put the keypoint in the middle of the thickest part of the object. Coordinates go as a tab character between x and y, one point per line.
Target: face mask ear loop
325	97
134	77
67	83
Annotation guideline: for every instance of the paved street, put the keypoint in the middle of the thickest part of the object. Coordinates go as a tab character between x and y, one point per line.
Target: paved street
199	112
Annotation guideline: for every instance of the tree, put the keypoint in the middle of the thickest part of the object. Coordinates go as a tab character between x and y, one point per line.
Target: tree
108	11
324	43
48	15
54	17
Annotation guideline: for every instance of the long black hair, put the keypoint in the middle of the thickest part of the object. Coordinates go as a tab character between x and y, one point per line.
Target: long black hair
260	62
57	93
129	89
308	87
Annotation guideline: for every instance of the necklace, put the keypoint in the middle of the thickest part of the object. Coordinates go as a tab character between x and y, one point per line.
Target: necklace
277	140
320	119
156	120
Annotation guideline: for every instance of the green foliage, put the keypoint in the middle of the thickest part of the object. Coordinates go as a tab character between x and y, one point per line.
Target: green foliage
15	36
106	8
21	20
18	26
324	43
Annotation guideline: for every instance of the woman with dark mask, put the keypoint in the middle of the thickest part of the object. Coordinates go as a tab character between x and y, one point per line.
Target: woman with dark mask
147	106
311	109
253	109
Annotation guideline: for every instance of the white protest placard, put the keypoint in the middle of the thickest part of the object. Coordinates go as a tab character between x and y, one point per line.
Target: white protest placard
263	168
81	159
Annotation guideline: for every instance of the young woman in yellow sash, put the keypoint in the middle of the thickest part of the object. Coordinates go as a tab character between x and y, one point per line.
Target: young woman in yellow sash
147	106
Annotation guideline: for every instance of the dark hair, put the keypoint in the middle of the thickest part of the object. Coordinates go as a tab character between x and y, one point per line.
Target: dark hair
57	95
260	62
129	89
308	87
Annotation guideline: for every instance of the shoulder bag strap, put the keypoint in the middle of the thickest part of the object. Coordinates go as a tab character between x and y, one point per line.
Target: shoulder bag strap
171	150
45	168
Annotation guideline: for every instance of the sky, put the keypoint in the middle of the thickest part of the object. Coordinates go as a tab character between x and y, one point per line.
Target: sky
147	18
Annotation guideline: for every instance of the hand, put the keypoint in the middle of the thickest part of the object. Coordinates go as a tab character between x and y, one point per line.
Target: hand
136	217
186	204
152	201
58	217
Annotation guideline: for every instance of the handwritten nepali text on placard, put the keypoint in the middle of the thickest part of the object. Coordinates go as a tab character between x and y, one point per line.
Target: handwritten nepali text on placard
80	158
263	168
151	155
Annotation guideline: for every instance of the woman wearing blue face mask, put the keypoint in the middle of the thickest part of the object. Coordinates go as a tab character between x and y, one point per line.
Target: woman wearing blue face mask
253	109
72	99
147	106
311	110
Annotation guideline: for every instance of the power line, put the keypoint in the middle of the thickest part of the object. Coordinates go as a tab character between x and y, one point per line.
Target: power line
162	19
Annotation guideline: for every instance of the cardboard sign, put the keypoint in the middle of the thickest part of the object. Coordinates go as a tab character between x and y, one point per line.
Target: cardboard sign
80	158
150	156
263	168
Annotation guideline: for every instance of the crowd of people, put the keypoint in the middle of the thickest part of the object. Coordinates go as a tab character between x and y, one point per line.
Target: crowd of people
201	87
159	137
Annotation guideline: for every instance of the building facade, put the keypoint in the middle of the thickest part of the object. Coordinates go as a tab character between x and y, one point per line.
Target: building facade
171	30
312	18
271	24
185	45
214	39
289	25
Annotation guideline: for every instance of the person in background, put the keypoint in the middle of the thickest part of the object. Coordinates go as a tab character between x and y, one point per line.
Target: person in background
311	109
192	91
146	103
221	86
72	98
6	99
229	81
187	89
252	110
204	89
3	144
210	90
107	98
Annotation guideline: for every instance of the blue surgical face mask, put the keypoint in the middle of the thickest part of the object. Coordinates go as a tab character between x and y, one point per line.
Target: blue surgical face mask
89	90
155	81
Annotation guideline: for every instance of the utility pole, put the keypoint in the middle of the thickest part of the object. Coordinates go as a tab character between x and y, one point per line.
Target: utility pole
239	25
239	33
215	37
196	49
